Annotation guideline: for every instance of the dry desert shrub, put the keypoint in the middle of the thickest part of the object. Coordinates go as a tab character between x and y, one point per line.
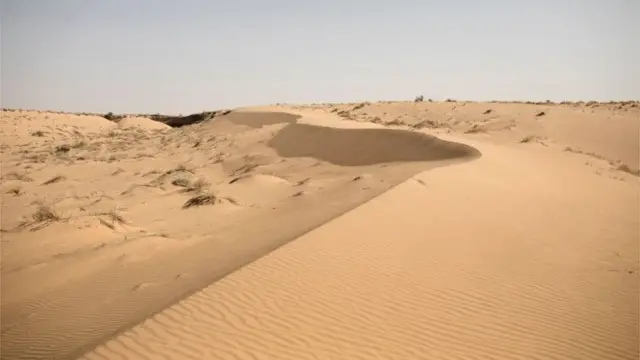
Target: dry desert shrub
142	155
475	129
62	149
54	179
197	186
244	169
346	114
360	106
181	168
114	217
112	117
45	214
527	139
430	124
395	122
207	199
627	169
200	200
302	182
181	182
16	191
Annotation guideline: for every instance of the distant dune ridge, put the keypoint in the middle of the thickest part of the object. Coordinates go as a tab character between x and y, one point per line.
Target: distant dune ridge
390	230
142	123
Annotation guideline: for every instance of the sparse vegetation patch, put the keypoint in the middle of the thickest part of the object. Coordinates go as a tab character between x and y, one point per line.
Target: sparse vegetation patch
54	179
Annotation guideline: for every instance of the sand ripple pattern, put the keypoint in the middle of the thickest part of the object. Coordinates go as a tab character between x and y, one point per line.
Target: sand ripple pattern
351	291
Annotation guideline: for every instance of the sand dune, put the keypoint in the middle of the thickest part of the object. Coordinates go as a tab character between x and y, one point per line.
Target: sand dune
142	123
391	231
447	272
135	205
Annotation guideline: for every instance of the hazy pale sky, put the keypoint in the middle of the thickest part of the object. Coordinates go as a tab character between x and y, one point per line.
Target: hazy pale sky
186	56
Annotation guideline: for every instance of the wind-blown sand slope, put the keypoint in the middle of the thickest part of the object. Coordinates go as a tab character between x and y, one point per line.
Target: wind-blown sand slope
105	224
528	252
446	272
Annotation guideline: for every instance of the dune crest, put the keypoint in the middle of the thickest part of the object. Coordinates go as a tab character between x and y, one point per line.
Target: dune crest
168	209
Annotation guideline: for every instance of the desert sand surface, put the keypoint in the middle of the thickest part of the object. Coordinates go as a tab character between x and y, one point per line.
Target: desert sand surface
390	230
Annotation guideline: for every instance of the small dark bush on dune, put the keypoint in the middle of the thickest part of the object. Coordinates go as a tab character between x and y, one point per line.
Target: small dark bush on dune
208	199
62	149
109	116
112	117
54	179
200	200
181	182
45	213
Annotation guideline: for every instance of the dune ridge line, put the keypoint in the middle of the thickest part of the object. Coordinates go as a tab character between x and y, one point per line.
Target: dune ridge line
110	308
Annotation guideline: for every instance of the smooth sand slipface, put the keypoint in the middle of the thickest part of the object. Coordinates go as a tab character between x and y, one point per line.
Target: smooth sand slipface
530	251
